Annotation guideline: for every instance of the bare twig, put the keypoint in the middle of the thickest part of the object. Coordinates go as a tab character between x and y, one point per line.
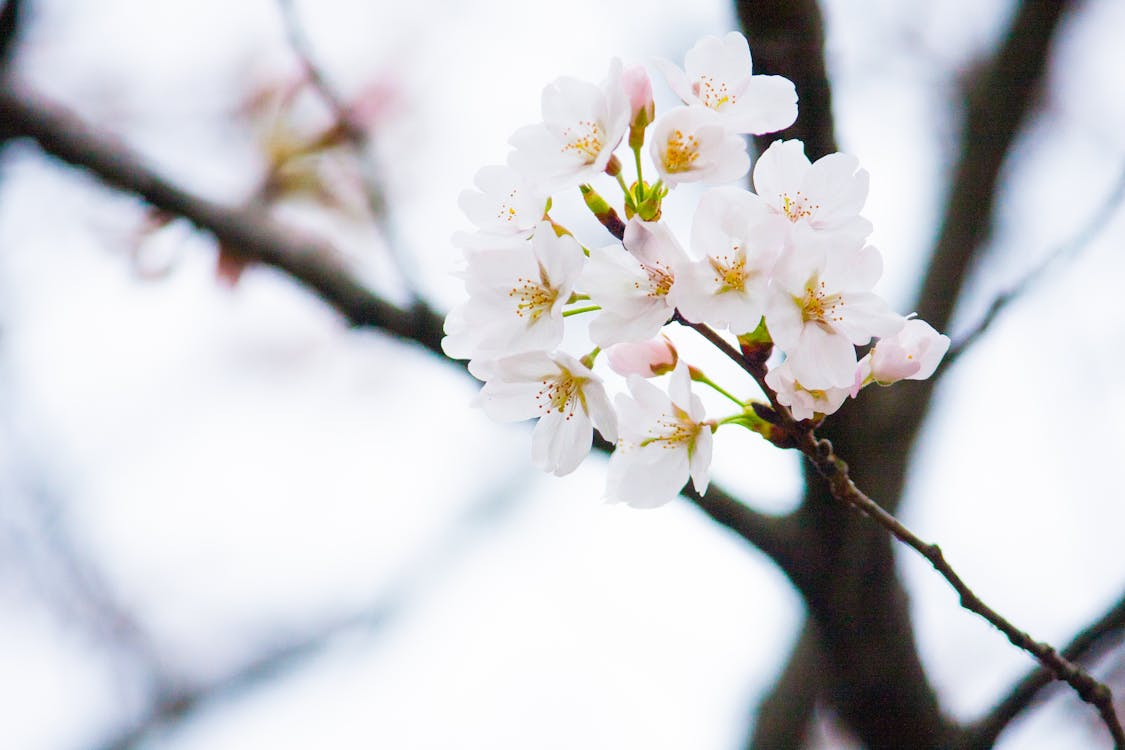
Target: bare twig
1081	240
1084	648
835	471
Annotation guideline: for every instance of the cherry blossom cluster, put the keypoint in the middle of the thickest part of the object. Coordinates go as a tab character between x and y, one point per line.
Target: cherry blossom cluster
784	268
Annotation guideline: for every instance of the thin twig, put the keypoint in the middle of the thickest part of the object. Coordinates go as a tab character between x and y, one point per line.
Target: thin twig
835	472
1081	240
1085	646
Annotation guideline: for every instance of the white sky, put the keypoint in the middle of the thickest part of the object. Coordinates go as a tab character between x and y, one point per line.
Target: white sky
242	467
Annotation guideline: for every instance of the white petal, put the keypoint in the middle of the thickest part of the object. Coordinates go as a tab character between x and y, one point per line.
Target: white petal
780	170
823	359
700	460
509	402
646	478
601	412
839	188
766	104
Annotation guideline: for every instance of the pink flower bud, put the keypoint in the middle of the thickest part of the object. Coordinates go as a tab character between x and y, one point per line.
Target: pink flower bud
644	358
911	354
642	110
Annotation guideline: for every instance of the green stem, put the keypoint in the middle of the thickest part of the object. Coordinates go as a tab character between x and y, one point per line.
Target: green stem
621	182
580	310
699	377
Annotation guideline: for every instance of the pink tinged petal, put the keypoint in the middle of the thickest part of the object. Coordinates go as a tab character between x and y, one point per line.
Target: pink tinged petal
913	353
891	362
652	243
862	375
766	104
677	79
644	358
638	89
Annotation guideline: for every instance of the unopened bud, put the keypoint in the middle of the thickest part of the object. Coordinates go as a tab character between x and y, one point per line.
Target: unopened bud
757	345
644	358
642	109
603	211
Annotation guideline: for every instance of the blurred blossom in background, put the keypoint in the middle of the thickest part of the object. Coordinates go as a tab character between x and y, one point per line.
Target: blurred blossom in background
204	472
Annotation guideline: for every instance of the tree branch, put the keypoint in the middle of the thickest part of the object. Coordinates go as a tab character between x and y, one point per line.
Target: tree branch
835	471
1083	648
785	715
802	436
10	19
247	231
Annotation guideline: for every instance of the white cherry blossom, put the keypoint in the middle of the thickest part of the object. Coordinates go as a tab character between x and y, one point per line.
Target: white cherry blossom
504	208
827	194
631	283
566	396
737	241
516	298
803	402
691	144
717	75
665	440
821	306
582	125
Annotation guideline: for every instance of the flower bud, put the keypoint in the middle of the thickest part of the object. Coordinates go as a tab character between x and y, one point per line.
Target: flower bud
644	358
642	109
911	354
